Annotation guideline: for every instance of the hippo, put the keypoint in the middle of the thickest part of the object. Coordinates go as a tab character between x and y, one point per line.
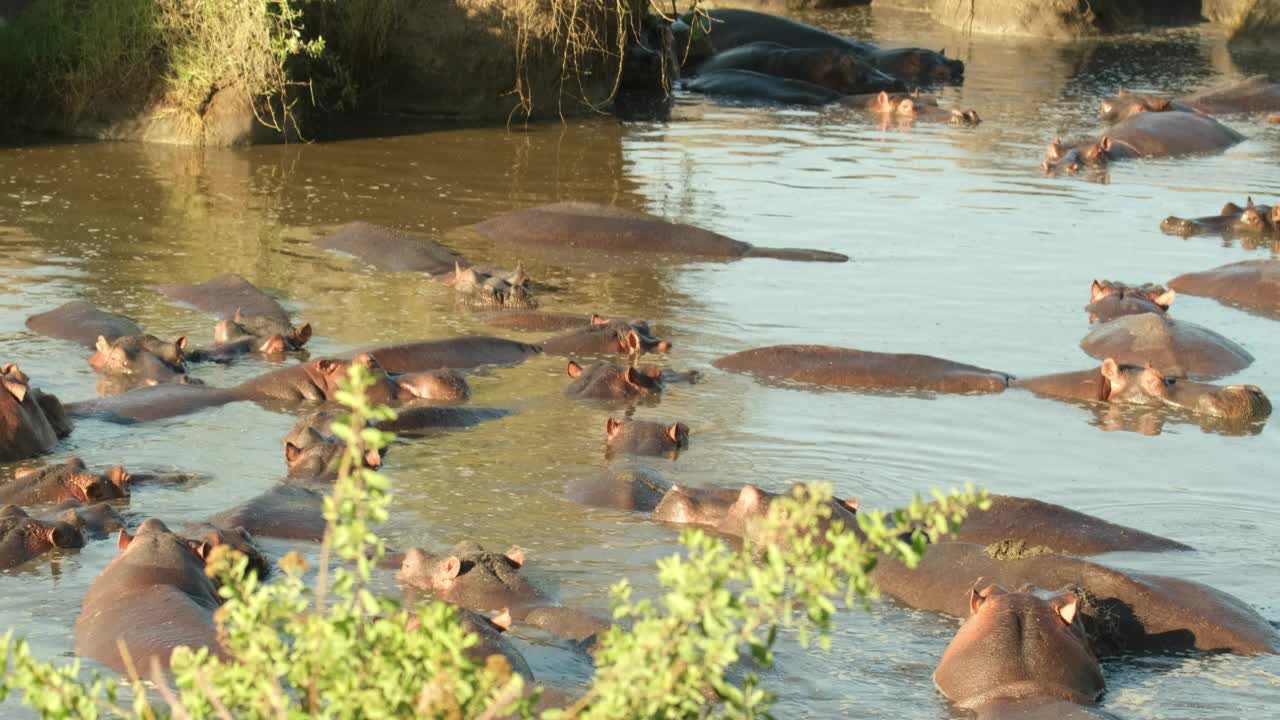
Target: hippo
204	537
611	381
594	233
264	334
312	451
491	639
476	579
620	486
418	418
731	511
705	33
155	402
24	538
1019	655
246	312
138	360
154	597
749	86
909	108
66	480
864	370
642	437
285	511
606	337
82	323
389	250
1145	135
1124	612
1251	284
840	71
458	353
917	66
1232	221
318	380
1119	384
1256	94
31	421
540	320
97	520
1174	347
1060	529
1110	300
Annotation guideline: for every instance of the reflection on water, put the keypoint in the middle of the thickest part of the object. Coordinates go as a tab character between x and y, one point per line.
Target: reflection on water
961	249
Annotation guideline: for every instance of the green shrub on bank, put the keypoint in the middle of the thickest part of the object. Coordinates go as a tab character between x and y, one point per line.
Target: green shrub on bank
339	651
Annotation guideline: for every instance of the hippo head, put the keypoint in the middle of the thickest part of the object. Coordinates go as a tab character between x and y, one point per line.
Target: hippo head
328	373
621	382
1017	645
921	65
204	538
97	519
141	359
268	333
39	535
640	437
443	385
1253	218
753	504
1131	385
1060	157
1109	300
310	455
695	506
492	290
1126	105
631	338
81	484
470	576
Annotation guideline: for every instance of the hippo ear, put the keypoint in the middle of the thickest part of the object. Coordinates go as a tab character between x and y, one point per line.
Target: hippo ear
978	597
366	360
16	389
1248	201
180	344
328	366
678	434
119	477
1067	611
273	345
1096	291
1054	151
1165	299
611	427
519	278
292	452
457	270
372	458
123	541
102	345
1105	143
599	320
61	536
751	500
515	554
907	106
237	316
502	620
850	503
631	343
302	333
450	568
573	369
1160	104
882	100
635	377
1111	369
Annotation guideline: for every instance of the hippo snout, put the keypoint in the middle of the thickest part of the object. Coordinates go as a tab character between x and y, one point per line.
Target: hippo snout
1177	225
1237	402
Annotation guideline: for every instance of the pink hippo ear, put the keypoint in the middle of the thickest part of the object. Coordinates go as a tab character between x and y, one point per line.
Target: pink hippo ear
237	316
573	369
1067	611
1054	151
978	597
273	345
1165	299
678	434
515	554
180	344
851	504
883	103
502	620
119	477
450	568
1096	291
329	366
636	378
123	541
291	452
1105	143
17	389
1111	369
599	320
611	427
631	343
372	459
751	501
302	334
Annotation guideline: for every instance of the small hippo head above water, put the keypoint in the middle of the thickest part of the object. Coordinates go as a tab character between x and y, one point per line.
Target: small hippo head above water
141	359
1248	220
1127	104
442	385
1132	385
492	290
473	577
919	65
1109	300
731	511
1071	158
270	335
640	437
66	480
312	451
1017	646
605	380
204	538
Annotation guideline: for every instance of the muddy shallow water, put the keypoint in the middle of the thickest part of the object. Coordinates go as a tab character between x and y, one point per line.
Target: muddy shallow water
961	249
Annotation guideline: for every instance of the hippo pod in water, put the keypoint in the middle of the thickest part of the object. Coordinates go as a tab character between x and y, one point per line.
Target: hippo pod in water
1175	347
863	370
67	480
392	251
608	231
1145	135
1020	655
1232	221
1251	284
246	312
1110	300
31	421
1256	94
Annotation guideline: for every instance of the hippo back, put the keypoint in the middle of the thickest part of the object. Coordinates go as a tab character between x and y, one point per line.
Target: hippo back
1168	134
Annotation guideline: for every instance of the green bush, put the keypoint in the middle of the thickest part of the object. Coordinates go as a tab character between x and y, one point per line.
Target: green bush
339	651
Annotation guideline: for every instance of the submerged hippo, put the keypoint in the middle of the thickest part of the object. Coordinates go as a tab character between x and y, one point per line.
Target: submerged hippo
749	86
246	311
1252	285
863	370
1123	611
596	232
312	451
918	66
262	334
1256	94
1232	221
641	437
24	538
96	520
1110	300
31	421
1175	347
540	320
1146	386
721	30
285	511
138	360
319	380
732	511
611	381
393	251
906	108
606	337
476	579
1037	523
203	538
153	596
1145	135
1019	655
840	71
82	323
69	479
155	402
459	353
620	486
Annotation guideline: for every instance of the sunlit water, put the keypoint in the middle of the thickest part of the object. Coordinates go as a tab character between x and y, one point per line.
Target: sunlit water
961	249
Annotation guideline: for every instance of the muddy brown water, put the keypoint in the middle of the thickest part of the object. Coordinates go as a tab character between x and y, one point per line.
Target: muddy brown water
961	249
